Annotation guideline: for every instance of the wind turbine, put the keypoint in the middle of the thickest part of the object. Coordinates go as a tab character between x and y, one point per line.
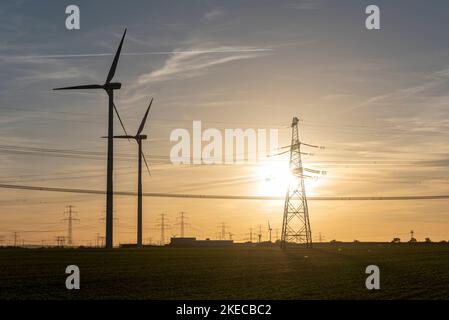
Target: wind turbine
109	87
139	137
269	229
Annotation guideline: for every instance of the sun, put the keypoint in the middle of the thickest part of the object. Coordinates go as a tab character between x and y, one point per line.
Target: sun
275	177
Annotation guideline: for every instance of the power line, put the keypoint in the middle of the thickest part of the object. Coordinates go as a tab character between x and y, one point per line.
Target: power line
225	197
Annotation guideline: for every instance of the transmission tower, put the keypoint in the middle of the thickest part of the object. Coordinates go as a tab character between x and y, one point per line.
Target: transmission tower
163	225
99	241
182	217
250	235
70	220
16	238
222	233
296	224
60	240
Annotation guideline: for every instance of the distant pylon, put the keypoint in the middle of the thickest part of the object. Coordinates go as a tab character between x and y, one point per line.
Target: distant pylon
296	224
60	240
16	238
223	231
250	234
182	217
163	225
70	220
99	241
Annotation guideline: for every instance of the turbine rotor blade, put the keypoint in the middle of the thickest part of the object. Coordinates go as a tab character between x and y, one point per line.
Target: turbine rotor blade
142	124
115	61
87	86
121	122
146	163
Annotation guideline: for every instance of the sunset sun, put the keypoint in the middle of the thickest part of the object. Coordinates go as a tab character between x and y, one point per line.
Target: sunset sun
274	177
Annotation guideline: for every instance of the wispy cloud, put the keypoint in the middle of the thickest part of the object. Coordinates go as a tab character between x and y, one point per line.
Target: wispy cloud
429	82
88	55
213	14
190	63
305	5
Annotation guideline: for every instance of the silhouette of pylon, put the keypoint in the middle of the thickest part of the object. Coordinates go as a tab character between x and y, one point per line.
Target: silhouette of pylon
296	224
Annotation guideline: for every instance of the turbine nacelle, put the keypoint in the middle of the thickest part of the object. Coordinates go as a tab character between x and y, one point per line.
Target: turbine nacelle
139	137
112	86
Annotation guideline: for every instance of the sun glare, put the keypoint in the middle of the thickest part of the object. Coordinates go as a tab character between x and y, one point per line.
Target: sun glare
275	178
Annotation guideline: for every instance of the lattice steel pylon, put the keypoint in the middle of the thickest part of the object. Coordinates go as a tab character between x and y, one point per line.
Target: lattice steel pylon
296	224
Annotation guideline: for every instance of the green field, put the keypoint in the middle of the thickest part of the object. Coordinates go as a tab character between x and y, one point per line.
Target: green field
325	272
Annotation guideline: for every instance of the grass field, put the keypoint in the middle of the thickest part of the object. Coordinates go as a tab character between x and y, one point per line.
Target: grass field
325	272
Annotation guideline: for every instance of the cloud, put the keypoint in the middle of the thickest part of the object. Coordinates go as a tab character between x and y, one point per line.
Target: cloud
212	14
430	82
305	5
190	63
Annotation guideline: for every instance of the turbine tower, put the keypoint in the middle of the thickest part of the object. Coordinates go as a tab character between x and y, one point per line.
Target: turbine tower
109	87
139	137
296	224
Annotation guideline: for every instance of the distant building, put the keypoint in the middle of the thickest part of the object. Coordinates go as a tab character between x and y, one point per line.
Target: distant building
192	242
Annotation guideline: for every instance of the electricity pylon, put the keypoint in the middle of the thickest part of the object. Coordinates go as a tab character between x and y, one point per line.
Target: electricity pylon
16	238
163	225
222	233
70	220
250	235
60	240
296	224
182	217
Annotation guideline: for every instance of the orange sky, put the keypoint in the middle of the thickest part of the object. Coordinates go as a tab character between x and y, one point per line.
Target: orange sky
376	100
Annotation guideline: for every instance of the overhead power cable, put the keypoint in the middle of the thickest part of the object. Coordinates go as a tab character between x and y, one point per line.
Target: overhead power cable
226	197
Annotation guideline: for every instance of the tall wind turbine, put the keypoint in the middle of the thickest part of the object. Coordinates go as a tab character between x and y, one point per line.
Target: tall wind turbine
269	229
109	87
139	137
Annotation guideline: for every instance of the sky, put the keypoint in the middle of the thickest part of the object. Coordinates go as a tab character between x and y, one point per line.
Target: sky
375	99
